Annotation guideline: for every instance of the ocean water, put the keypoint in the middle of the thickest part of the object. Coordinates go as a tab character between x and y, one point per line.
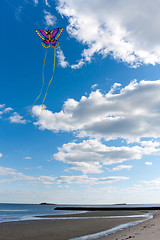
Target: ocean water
19	212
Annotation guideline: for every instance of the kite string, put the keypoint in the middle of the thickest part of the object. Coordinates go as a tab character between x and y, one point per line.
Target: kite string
50	80
42	81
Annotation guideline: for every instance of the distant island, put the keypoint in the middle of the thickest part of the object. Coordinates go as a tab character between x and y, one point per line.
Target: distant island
119	204
44	203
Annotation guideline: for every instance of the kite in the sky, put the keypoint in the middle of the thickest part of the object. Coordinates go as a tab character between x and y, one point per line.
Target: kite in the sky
49	40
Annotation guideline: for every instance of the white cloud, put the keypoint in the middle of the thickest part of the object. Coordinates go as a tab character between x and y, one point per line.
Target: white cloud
153	184
62	195
8	175
27	157
8	109
84	166
61	58
1	155
125	29
132	113
16	118
86	195
148	163
121	167
94	86
35	1
90	156
12	175
47	4
4	110
80	63
83	179
50	19
2	105
114	88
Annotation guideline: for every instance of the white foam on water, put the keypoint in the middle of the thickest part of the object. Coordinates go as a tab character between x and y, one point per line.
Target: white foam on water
8	210
74	218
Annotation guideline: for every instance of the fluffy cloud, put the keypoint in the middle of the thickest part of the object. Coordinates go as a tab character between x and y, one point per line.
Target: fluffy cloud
50	20
148	163
5	109
132	113
125	29
16	118
2	105
1	155
83	165
61	58
90	156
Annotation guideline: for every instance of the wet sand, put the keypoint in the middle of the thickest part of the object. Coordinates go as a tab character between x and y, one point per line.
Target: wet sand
98	214
148	230
64	229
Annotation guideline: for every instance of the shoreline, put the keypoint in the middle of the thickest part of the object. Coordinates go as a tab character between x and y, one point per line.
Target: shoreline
70	228
147	230
91	214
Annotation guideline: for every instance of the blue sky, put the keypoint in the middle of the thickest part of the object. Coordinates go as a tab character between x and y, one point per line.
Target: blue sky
98	137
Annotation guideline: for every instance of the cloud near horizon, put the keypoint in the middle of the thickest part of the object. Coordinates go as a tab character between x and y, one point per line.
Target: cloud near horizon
10	175
83	179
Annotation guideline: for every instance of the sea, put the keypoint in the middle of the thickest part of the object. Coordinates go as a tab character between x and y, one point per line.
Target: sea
19	212
11	212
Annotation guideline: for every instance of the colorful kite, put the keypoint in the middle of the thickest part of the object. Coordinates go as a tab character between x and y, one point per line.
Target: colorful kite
49	40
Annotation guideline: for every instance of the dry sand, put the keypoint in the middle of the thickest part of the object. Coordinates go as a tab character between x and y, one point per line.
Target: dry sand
64	229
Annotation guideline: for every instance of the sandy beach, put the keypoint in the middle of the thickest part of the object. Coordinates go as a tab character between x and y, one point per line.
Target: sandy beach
148	230
61	229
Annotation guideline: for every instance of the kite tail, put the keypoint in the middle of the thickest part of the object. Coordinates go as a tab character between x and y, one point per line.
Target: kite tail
42	81
50	80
